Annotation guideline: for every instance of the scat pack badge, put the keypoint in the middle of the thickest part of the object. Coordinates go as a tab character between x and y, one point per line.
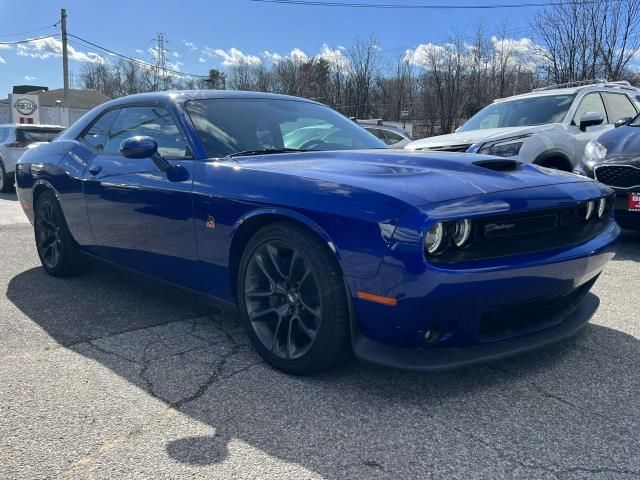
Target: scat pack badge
211	222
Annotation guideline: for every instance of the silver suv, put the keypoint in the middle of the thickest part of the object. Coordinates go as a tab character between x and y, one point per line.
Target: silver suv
14	140
549	127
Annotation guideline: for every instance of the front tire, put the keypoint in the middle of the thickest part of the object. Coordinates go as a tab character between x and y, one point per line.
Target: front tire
59	253
292	300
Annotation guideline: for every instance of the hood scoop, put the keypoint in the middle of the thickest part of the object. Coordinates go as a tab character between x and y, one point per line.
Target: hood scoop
499	165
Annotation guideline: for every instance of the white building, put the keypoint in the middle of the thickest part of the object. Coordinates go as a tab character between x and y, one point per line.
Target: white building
50	107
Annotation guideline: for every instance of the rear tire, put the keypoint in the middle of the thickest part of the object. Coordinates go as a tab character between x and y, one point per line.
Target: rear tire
6	185
292	300
59	253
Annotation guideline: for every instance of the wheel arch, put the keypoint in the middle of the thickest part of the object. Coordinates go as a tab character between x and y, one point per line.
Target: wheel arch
39	187
246	227
554	158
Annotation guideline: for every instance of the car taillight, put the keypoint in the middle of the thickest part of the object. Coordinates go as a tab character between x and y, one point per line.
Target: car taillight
17	144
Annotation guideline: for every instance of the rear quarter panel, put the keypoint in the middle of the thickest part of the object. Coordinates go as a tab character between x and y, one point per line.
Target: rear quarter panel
52	166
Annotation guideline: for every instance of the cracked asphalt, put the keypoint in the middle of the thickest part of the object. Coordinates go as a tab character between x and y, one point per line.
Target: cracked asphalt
111	376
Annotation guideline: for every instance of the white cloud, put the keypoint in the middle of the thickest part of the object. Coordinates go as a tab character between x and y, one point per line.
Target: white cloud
2	60
272	56
522	52
201	60
190	45
296	55
234	57
139	50
175	54
51	47
335	57
29	77
4	46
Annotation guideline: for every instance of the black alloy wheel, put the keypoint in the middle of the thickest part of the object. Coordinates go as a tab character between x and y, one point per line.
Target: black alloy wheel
59	253
48	237
292	298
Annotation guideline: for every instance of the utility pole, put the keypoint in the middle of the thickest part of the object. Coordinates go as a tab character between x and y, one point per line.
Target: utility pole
65	57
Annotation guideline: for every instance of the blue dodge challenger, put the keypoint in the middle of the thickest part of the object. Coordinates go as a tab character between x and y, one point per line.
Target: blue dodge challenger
325	242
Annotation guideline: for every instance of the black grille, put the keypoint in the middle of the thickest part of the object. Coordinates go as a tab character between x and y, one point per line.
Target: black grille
527	317
621	176
450	148
537	231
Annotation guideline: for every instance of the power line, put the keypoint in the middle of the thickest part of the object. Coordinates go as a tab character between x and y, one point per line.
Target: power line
28	40
135	60
30	31
318	3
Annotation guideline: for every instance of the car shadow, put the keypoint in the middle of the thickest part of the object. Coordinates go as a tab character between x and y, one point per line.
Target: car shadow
628	246
8	196
561	406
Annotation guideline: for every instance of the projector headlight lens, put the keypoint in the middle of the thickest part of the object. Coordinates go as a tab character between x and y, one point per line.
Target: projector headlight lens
591	206
602	205
461	232
434	239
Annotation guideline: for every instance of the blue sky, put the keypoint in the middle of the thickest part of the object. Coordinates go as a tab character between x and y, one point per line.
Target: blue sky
202	33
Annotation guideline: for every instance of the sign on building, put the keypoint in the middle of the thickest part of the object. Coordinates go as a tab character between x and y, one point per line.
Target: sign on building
24	108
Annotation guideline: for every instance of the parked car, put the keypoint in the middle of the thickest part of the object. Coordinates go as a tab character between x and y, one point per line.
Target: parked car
405	259
548	127
393	136
614	159
14	140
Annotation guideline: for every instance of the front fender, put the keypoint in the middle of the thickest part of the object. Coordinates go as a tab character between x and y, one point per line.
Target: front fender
286	213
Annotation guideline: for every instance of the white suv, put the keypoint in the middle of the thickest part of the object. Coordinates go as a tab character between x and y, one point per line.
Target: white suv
549	126
14	140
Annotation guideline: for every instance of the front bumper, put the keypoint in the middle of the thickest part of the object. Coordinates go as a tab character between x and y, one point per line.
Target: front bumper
435	359
625	218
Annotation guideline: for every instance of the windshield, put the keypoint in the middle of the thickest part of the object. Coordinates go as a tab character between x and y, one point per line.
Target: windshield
523	112
232	125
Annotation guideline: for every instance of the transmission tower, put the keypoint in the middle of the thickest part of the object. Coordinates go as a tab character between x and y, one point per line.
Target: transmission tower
160	70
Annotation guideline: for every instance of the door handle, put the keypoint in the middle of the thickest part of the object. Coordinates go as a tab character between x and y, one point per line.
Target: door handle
95	169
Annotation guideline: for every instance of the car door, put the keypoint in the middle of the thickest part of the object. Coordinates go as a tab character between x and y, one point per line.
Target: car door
140	217
592	102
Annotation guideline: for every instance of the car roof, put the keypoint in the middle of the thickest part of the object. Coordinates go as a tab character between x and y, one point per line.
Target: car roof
184	95
573	90
29	125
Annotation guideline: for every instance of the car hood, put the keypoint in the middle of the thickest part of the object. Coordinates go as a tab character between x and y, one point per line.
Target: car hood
414	177
622	144
475	136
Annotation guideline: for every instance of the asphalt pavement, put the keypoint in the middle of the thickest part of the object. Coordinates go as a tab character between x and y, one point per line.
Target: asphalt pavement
109	376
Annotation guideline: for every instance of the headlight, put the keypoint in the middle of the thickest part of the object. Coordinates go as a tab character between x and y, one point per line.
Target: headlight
602	205
593	153
591	205
461	233
507	147
434	239
502	149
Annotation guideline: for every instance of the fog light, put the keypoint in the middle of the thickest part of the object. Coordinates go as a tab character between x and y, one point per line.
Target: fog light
602	205
591	205
434	238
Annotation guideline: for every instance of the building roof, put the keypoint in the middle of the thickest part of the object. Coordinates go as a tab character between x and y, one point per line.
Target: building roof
85	99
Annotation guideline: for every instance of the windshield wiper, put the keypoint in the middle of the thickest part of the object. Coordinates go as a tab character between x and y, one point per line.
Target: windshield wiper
265	151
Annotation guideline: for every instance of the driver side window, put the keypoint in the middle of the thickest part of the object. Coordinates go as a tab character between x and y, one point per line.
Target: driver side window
590	103
155	122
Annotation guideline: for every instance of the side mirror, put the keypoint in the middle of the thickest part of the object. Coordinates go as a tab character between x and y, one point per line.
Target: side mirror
622	121
139	147
590	119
